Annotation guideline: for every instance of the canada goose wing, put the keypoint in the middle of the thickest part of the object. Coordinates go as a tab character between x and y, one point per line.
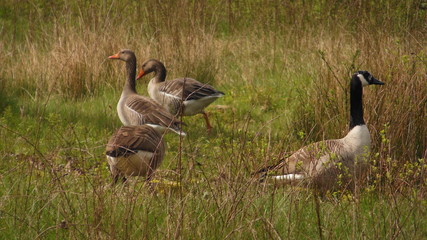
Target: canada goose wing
127	140
189	89
144	110
308	160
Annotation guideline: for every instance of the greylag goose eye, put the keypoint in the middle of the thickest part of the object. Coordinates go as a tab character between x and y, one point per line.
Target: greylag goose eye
134	151
181	96
134	109
323	161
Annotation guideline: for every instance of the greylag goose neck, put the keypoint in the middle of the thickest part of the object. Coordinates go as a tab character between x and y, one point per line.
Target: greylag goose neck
183	96
323	161
134	109
134	151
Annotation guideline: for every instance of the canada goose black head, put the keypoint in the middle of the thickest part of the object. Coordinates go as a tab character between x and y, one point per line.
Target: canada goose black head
366	78
124	55
358	81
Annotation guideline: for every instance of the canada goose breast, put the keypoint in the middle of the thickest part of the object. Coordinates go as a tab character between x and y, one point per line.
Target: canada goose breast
358	140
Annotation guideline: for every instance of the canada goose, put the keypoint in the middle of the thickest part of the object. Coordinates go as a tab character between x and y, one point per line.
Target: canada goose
134	109
322	161
134	151
194	95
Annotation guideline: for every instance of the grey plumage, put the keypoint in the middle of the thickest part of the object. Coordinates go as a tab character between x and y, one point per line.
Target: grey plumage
135	151
141	110
186	89
183	96
134	109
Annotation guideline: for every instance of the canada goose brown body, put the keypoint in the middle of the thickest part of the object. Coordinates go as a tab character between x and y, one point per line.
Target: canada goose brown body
134	109
322	162
184	96
135	151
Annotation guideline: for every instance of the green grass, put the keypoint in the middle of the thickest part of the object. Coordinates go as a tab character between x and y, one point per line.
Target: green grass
284	68
40	194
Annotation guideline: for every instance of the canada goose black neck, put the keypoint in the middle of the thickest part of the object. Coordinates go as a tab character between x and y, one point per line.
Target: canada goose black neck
356	107
131	72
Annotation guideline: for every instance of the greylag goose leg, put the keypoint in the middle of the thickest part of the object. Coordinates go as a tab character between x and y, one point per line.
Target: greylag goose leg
208	125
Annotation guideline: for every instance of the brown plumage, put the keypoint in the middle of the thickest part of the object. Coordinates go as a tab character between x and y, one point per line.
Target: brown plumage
184	96
139	110
317	162
135	151
188	89
134	109
307	159
331	163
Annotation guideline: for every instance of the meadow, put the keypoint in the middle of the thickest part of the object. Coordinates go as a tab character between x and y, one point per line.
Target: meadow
285	68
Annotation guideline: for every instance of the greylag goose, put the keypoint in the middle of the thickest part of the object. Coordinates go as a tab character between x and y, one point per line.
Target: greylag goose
134	109
323	161
183	96
134	151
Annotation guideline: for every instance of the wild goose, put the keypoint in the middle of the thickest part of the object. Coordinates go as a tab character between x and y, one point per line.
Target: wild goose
323	161
134	151
134	109
194	95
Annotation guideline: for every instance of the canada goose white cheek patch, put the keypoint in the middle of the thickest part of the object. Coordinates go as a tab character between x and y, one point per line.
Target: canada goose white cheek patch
363	80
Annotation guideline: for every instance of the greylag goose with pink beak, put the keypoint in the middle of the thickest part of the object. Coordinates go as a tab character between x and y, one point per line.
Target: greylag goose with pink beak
134	109
181	96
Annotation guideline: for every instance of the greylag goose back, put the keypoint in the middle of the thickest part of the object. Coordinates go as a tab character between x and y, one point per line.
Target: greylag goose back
183	96
134	151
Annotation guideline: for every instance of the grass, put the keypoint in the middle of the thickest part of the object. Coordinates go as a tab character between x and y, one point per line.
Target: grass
284	68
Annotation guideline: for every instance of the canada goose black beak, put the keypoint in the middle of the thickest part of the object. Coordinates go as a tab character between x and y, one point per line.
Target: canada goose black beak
140	75
377	82
115	56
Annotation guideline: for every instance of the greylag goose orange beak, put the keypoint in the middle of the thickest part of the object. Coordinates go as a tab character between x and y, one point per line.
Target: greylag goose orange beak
134	109
140	74
115	56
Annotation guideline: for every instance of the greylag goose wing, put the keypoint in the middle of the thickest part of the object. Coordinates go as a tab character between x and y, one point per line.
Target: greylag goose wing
134	151
144	110
129	139
189	89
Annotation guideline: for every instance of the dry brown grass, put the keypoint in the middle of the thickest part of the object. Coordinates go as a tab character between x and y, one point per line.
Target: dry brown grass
285	69
244	50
